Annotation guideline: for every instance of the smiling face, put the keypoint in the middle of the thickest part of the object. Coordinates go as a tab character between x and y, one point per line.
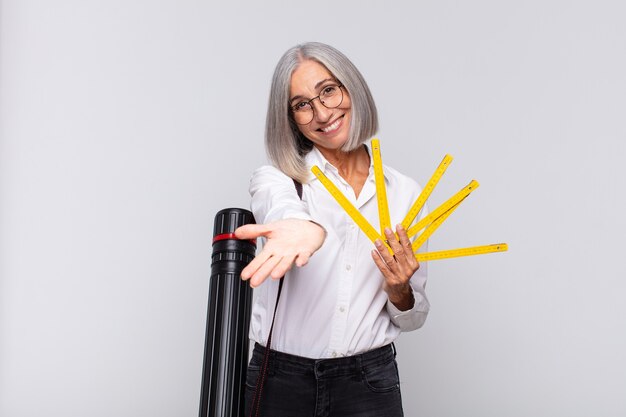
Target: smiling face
329	128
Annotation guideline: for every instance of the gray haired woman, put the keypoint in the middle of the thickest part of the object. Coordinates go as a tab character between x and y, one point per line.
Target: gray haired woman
345	301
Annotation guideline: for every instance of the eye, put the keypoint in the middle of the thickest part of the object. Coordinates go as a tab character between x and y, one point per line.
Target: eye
301	106
329	90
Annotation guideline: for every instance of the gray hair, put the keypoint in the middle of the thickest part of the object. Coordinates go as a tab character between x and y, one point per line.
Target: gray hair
286	146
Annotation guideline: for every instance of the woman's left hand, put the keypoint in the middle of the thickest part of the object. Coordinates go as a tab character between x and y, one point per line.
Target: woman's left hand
398	268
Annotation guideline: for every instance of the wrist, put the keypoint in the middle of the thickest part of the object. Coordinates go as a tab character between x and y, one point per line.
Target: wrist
321	227
401	297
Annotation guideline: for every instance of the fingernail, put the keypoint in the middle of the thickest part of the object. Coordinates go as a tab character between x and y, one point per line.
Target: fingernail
388	231
378	243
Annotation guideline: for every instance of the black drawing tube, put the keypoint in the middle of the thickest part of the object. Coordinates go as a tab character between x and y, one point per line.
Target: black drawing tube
228	319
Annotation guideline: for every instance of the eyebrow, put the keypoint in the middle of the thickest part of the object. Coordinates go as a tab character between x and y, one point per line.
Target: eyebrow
316	87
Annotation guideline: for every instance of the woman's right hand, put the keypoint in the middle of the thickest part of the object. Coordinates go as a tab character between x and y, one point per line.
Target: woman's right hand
289	241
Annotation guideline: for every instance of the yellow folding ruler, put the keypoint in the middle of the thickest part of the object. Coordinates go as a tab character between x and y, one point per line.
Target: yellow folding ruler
456	253
349	208
426	191
442	209
427	225
430	229
381	189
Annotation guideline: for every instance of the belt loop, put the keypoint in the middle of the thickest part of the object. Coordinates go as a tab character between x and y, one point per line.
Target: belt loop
393	347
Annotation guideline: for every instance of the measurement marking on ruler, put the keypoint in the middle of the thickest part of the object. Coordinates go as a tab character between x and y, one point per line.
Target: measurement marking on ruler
456	253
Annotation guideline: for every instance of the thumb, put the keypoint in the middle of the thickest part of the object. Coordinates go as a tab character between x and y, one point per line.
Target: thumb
251	231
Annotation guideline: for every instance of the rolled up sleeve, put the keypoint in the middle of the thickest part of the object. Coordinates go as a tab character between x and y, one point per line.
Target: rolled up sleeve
415	317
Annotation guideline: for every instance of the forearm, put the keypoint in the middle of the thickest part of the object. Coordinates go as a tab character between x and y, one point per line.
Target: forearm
401	296
413	318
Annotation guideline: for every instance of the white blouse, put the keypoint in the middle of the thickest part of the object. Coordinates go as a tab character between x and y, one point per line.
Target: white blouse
335	305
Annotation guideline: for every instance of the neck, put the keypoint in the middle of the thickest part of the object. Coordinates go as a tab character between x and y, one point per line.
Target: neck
347	162
353	166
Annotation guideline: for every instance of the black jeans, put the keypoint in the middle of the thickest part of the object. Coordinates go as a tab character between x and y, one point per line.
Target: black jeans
365	385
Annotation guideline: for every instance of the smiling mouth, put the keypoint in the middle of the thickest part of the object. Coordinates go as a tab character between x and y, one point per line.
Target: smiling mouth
332	127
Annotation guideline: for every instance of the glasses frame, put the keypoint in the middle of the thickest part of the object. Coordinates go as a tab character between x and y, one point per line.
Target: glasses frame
310	103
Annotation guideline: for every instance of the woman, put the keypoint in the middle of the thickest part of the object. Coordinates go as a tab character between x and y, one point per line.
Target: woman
344	302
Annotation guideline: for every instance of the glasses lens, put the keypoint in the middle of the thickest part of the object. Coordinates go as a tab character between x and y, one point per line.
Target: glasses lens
303	113
331	96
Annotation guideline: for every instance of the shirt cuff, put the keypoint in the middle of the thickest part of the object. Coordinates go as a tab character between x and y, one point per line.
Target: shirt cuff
410	319
396	312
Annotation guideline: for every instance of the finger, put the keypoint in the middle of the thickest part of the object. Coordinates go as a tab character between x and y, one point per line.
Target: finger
393	242
302	259
398	252
403	237
251	231
264	271
406	245
382	266
256	263
405	268
386	256
283	266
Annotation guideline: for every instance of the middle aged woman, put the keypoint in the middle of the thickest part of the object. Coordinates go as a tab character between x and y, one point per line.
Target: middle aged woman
341	309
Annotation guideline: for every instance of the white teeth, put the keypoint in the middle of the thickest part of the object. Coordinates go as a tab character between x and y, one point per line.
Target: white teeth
332	127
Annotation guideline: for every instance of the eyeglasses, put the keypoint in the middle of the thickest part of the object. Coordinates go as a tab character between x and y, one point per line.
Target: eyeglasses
331	97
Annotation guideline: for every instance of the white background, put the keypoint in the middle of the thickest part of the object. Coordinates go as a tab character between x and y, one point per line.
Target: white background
126	125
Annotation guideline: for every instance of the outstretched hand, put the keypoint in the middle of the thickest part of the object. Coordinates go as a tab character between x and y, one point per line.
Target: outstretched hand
398	268
289	242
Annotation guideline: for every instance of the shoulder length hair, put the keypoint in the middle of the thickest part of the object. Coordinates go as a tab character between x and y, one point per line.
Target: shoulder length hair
286	146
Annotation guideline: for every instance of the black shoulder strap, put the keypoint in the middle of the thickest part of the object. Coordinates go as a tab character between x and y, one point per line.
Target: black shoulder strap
298	188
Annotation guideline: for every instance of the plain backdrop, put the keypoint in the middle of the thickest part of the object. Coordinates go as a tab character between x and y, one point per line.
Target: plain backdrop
126	125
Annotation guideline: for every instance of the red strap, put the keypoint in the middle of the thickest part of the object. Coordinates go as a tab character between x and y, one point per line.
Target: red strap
225	236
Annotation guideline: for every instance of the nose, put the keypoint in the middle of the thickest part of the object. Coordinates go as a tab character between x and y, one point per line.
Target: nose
322	113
